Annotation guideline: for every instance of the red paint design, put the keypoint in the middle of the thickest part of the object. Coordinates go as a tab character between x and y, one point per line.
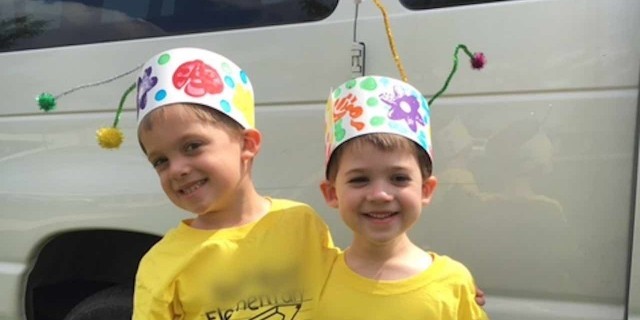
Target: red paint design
348	105
197	78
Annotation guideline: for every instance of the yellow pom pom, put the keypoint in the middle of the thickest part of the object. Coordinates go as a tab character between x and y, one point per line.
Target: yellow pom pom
109	138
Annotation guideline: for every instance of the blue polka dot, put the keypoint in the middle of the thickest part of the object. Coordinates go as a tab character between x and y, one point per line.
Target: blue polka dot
226	107
243	77
384	81
160	95
400	126
423	141
229	82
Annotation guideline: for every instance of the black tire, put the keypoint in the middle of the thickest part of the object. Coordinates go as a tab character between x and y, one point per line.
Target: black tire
114	303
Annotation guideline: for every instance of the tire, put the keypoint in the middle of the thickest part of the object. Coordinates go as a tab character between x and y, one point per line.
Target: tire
114	303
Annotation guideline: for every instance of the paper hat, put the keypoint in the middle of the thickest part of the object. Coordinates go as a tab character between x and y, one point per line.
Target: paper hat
375	104
192	75
181	75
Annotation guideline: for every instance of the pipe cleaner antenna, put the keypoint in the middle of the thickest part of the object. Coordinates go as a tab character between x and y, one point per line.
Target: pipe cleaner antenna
478	60
112	137
47	101
392	42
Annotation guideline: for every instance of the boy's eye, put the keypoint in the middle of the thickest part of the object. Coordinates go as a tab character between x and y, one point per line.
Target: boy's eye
358	180
192	146
400	178
156	163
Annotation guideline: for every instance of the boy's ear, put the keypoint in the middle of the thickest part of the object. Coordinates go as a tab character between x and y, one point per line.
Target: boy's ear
329	193
428	187
251	141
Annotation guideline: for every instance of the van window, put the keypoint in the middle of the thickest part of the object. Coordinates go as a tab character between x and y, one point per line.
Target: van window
51	23
432	4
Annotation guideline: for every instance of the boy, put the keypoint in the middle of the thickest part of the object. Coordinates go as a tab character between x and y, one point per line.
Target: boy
243	256
378	176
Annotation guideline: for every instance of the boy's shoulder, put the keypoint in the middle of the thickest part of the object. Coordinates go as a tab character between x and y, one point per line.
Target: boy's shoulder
166	254
292	208
449	268
278	204
283	211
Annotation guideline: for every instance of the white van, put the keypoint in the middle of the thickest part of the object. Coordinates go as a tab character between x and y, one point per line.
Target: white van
537	154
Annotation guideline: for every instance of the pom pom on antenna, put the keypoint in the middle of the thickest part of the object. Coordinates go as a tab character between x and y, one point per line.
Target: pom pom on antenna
46	101
109	138
478	61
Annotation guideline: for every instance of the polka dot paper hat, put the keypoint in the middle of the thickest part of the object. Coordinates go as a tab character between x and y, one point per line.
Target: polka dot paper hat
192	75
180	75
376	104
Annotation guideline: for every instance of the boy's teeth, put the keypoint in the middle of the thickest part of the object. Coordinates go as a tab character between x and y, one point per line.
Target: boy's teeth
380	215
193	188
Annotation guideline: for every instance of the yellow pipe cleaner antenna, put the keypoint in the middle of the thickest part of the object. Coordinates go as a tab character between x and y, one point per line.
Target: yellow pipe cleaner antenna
112	137
392	42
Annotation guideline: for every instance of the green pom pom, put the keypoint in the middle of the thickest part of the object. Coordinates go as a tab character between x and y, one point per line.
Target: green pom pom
46	101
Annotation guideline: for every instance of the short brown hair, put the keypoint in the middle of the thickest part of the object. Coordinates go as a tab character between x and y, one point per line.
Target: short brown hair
203	113
384	142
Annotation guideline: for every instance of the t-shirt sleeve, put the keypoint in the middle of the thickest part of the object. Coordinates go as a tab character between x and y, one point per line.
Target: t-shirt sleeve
328	248
148	304
468	308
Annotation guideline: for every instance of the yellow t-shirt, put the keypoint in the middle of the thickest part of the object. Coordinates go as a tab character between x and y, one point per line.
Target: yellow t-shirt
269	269
445	291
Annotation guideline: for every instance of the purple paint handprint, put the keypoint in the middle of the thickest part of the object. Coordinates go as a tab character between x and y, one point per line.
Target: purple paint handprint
145	84
403	107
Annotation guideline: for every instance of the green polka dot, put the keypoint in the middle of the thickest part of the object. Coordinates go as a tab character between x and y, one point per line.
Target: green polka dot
372	102
164	59
377	121
226	68
350	84
336	93
369	84
339	131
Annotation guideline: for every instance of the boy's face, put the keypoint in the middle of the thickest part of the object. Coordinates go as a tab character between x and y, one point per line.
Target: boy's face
200	165
379	194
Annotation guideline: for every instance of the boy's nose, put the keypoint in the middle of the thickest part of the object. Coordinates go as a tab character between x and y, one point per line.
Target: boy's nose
379	192
179	169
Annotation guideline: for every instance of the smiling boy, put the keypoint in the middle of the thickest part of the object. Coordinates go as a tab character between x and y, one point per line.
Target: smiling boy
378	176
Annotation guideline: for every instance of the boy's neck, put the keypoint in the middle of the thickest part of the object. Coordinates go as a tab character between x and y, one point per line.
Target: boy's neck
393	260
246	207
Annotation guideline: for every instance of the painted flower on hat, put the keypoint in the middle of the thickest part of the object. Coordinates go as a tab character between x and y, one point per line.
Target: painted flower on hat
145	84
348	105
197	78
403	107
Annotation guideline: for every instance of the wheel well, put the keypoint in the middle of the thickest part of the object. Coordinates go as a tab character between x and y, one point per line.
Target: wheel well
74	265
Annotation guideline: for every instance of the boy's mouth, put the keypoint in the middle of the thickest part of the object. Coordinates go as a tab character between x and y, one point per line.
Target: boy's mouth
380	215
192	187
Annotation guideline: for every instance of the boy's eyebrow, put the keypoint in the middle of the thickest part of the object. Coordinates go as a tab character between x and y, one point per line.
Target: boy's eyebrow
354	171
359	170
152	154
